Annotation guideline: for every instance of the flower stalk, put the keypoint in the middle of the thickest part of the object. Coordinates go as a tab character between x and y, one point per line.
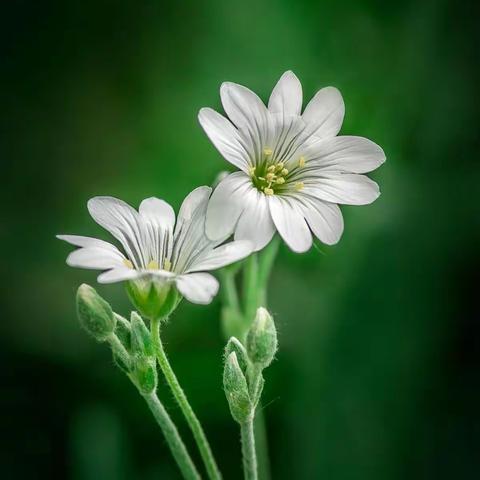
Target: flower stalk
243	383
250	469
180	397
169	430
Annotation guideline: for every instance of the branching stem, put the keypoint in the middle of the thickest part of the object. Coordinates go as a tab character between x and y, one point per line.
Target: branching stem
181	398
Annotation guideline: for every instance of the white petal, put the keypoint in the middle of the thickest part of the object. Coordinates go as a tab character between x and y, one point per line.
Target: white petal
195	202
221	256
249	114
163	274
118	275
346	154
344	188
197	287
225	137
96	258
243	107
190	238
324	219
324	113
157	212
80	241
255	223
123	222
290	223
286	97
226	204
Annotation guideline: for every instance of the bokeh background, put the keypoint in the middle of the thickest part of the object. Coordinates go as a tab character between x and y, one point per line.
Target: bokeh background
377	376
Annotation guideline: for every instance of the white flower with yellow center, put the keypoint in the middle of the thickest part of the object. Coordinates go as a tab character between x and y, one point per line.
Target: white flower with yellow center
294	170
159	252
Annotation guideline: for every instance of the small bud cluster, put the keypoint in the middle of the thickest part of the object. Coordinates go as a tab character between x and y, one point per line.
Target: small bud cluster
242	375
131	341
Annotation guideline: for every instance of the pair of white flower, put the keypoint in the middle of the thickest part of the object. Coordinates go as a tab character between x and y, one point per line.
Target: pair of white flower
293	171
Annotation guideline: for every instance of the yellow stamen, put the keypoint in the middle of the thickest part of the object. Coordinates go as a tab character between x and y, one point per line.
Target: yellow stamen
251	171
269	176
268	191
301	162
284	171
280	181
271	168
299	186
167	264
152	265
279	166
128	263
267	151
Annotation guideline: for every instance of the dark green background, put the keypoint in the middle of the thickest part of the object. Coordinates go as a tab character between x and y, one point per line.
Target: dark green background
377	376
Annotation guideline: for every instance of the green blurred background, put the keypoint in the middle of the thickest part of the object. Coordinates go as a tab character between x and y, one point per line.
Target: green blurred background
377	376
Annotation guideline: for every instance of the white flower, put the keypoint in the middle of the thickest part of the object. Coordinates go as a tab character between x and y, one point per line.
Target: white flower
294	170
157	248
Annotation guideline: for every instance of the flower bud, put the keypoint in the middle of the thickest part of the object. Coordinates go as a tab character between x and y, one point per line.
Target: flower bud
145	374
234	345
141	340
236	389
262	339
95	314
153	298
123	331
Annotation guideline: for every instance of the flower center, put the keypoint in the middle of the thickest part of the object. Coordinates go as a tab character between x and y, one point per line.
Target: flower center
152	265
271	177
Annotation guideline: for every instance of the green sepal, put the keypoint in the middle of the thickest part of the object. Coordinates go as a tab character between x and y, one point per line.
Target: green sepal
123	331
236	389
234	345
153	298
94	313
141	339
145	374
120	363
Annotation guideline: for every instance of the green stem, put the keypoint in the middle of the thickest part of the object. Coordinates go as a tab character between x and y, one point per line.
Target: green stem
175	443
250	289
248	450
229	289
172	436
119	349
181	398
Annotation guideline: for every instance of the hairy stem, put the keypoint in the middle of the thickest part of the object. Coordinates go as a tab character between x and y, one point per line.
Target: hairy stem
172	436
248	450
174	441
181	398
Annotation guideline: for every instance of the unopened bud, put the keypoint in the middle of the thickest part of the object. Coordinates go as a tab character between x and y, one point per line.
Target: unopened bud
141	340
262	339
234	345
236	389
145	374
95	314
123	330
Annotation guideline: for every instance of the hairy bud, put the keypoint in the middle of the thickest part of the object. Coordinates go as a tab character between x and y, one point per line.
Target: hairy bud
141	340
262	339
234	345
94	313
236	389
145	374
